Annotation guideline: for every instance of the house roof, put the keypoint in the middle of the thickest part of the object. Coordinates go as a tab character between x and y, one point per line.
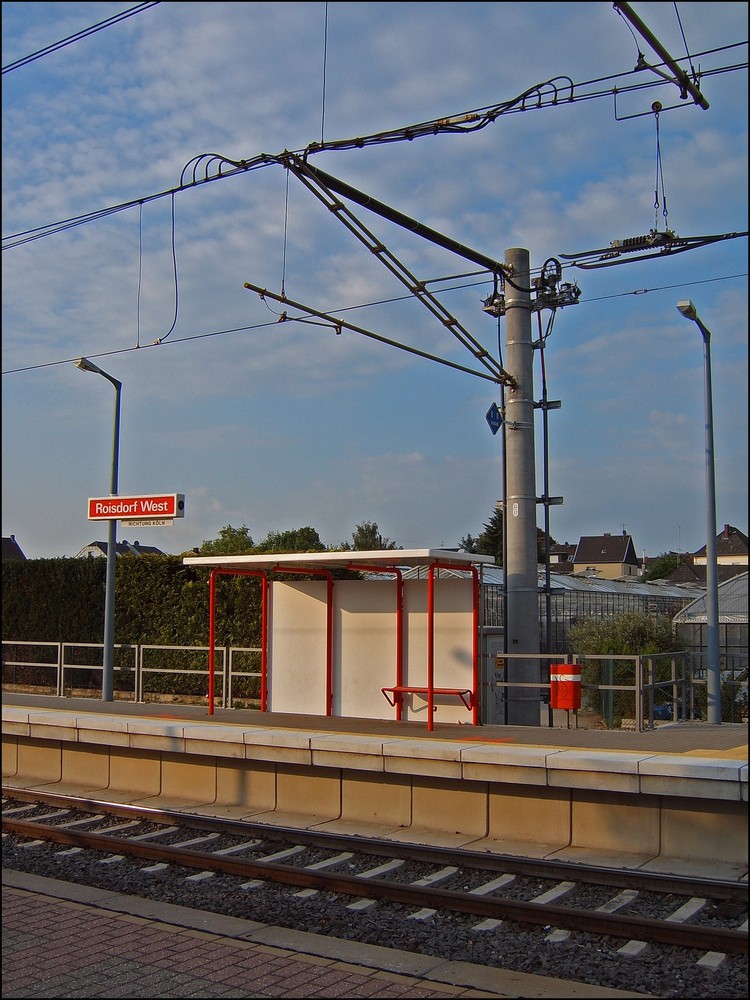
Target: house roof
11	548
688	572
730	542
594	549
123	548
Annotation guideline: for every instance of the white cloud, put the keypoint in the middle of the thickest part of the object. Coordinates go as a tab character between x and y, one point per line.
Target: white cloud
280	425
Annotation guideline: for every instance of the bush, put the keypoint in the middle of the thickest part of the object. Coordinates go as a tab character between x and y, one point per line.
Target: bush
626	635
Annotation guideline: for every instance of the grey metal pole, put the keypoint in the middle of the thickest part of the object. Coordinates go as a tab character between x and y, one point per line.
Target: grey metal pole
713	657
521	582
108	668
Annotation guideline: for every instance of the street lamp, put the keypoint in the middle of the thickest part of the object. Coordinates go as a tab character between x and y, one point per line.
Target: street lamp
108	671
713	662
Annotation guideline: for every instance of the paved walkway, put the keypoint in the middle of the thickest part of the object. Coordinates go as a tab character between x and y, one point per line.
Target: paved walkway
63	940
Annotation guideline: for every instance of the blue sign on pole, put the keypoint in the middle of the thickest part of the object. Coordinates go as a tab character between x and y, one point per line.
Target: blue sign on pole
494	418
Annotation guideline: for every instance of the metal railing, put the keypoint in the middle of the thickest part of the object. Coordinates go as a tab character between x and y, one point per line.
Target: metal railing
624	691
632	692
57	668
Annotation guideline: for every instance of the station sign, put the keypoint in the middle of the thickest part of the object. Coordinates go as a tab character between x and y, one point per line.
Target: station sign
150	508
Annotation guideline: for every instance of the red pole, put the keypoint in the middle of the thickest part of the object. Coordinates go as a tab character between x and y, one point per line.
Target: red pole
394	571
264	646
475	638
211	637
475	651
430	645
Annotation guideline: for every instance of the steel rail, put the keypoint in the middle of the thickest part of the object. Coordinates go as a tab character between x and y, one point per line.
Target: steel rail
595	922
718	889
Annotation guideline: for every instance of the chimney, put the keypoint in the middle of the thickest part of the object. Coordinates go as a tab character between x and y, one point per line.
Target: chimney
725	533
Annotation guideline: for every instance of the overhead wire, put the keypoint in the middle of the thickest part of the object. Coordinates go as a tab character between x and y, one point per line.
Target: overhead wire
640	57
176	282
190	338
286	228
684	42
56	46
140	277
468	121
543	94
659	183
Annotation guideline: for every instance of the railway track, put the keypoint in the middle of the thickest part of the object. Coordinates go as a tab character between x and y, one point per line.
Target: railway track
622	913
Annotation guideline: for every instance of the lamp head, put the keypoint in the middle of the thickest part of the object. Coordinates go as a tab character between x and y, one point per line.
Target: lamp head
88	366
687	309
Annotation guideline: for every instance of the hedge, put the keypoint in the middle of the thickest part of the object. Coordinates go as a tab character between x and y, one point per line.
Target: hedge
158	600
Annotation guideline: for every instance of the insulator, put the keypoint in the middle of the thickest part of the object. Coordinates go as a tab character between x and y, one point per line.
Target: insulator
635	241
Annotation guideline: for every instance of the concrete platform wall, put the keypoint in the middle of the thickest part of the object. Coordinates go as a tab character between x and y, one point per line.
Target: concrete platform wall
675	814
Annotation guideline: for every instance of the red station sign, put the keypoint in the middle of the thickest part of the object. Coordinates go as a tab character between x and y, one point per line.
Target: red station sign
153	507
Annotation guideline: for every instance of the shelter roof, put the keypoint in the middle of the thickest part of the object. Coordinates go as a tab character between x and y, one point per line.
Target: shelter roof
339	560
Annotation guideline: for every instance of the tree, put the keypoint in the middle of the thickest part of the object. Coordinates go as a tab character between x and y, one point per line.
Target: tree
662	567
231	542
304	539
632	634
490	542
469	544
366	537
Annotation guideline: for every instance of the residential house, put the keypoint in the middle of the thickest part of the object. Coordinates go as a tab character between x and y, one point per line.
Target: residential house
732	549
561	557
11	549
607	556
124	548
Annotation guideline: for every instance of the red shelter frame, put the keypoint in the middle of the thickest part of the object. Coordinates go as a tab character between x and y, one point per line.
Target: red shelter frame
469	696
381	562
212	631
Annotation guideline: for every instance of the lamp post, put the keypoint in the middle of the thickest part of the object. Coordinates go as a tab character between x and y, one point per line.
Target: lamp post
108	671
713	662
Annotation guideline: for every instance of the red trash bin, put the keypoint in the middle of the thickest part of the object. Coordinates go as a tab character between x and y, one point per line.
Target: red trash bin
565	685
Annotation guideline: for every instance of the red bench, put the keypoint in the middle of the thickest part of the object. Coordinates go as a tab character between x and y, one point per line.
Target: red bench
464	694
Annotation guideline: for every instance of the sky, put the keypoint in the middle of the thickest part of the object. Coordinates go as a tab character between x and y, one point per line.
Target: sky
275	425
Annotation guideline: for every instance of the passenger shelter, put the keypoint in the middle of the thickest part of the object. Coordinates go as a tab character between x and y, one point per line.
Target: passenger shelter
376	648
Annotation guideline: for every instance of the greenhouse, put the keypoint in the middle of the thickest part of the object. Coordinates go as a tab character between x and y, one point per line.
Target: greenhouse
567	598
691	622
